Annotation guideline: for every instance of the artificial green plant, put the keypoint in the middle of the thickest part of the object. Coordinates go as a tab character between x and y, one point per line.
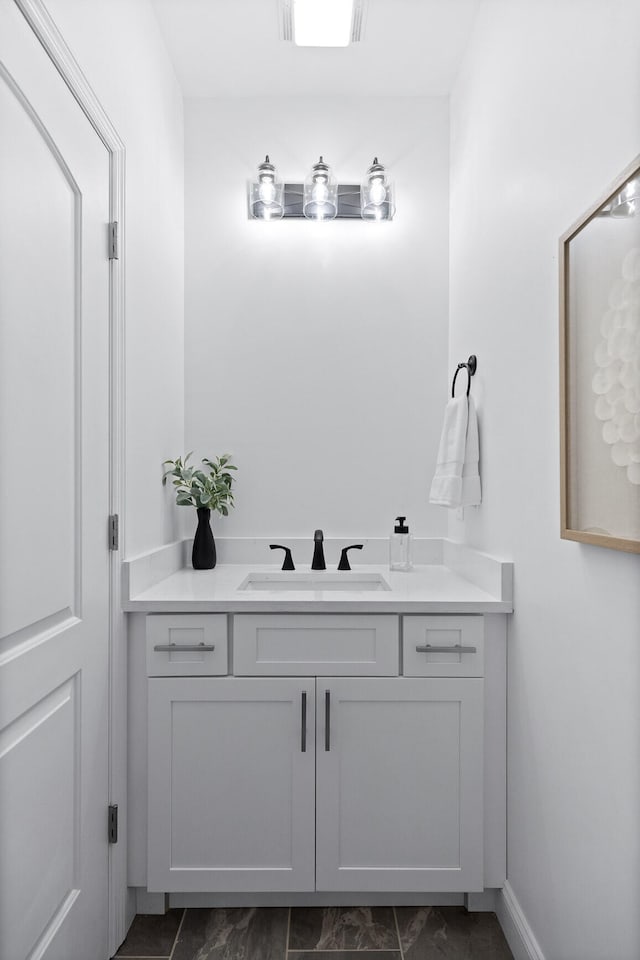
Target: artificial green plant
209	488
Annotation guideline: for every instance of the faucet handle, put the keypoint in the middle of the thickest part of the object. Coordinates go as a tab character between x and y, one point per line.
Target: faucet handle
288	559
344	559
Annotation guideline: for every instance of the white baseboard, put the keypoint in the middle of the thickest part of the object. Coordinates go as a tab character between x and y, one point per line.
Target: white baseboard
519	934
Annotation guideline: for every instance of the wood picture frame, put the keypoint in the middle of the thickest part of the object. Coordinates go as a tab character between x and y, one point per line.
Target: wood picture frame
599	258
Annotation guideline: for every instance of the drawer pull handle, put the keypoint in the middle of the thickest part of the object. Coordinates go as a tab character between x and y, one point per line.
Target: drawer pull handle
327	720
455	648
303	728
189	647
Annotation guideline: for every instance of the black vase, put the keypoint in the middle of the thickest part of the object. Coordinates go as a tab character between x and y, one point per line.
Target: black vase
203	555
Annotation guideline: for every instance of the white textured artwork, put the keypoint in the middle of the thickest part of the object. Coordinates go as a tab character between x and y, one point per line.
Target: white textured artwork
616	381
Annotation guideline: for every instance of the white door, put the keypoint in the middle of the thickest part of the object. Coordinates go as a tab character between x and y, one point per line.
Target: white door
231	784
54	486
399	784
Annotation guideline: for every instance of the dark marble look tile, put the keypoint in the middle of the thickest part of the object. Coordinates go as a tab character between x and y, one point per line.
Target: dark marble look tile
252	933
151	935
344	955
342	928
450	933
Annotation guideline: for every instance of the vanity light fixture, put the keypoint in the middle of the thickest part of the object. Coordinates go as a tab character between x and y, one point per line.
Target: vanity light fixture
320	197
266	198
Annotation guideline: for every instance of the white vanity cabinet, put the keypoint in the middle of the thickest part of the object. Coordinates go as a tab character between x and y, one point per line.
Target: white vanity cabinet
320	780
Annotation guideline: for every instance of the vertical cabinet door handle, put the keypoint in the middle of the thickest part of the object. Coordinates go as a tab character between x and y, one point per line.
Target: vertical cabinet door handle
327	720
303	728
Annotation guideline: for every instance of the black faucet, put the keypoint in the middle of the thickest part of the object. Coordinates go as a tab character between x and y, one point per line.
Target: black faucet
344	557
318	552
288	559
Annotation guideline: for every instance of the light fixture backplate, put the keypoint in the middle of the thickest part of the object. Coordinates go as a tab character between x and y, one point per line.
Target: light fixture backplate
348	202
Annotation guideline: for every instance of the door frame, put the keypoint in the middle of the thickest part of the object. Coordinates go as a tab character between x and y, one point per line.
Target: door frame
45	29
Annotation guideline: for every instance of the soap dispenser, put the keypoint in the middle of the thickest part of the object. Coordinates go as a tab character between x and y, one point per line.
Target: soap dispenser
400	546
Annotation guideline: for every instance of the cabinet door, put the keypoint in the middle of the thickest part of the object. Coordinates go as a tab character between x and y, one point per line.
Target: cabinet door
399	784
231	784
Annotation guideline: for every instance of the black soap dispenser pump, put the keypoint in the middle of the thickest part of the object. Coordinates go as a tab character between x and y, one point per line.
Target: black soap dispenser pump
400	546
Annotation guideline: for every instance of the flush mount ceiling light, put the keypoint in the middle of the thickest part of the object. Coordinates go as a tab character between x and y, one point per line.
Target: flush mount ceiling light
322	23
320	197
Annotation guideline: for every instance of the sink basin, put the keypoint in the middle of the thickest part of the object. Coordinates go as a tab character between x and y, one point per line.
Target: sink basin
314	581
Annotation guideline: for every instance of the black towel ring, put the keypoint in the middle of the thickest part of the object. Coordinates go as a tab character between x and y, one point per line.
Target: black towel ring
470	366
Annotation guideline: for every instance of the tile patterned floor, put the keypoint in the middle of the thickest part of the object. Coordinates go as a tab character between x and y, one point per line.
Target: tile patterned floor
317	933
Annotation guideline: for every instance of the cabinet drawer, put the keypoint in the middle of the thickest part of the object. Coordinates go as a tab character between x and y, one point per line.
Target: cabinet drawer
186	645
315	644
448	646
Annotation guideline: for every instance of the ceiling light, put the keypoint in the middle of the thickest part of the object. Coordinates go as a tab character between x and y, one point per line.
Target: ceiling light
322	23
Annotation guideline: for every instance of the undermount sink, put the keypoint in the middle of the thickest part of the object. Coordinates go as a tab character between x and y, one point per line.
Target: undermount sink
314	582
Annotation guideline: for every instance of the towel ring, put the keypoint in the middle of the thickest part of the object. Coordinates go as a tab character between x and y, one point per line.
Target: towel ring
470	366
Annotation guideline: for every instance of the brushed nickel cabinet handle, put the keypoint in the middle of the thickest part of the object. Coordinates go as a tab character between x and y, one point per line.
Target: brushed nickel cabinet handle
303	729
189	647
327	720
454	648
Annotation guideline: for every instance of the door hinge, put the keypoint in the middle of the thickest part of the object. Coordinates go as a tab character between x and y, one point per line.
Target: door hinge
114	241
113	823
114	532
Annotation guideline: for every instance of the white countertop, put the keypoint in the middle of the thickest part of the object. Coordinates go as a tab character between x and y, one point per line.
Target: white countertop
428	588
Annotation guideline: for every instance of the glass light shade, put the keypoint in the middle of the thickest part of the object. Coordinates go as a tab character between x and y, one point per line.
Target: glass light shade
627	202
320	200
266	199
376	194
322	23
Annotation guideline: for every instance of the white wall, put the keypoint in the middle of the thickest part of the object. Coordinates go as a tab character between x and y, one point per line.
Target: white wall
317	353
120	49
545	114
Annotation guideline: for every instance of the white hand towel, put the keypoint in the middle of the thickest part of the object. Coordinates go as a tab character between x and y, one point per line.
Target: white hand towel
471	494
457	482
446	488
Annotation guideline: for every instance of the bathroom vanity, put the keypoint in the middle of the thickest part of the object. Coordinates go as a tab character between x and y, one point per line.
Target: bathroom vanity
317	740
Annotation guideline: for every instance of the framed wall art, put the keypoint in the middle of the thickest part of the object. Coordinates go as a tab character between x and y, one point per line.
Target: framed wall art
600	370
